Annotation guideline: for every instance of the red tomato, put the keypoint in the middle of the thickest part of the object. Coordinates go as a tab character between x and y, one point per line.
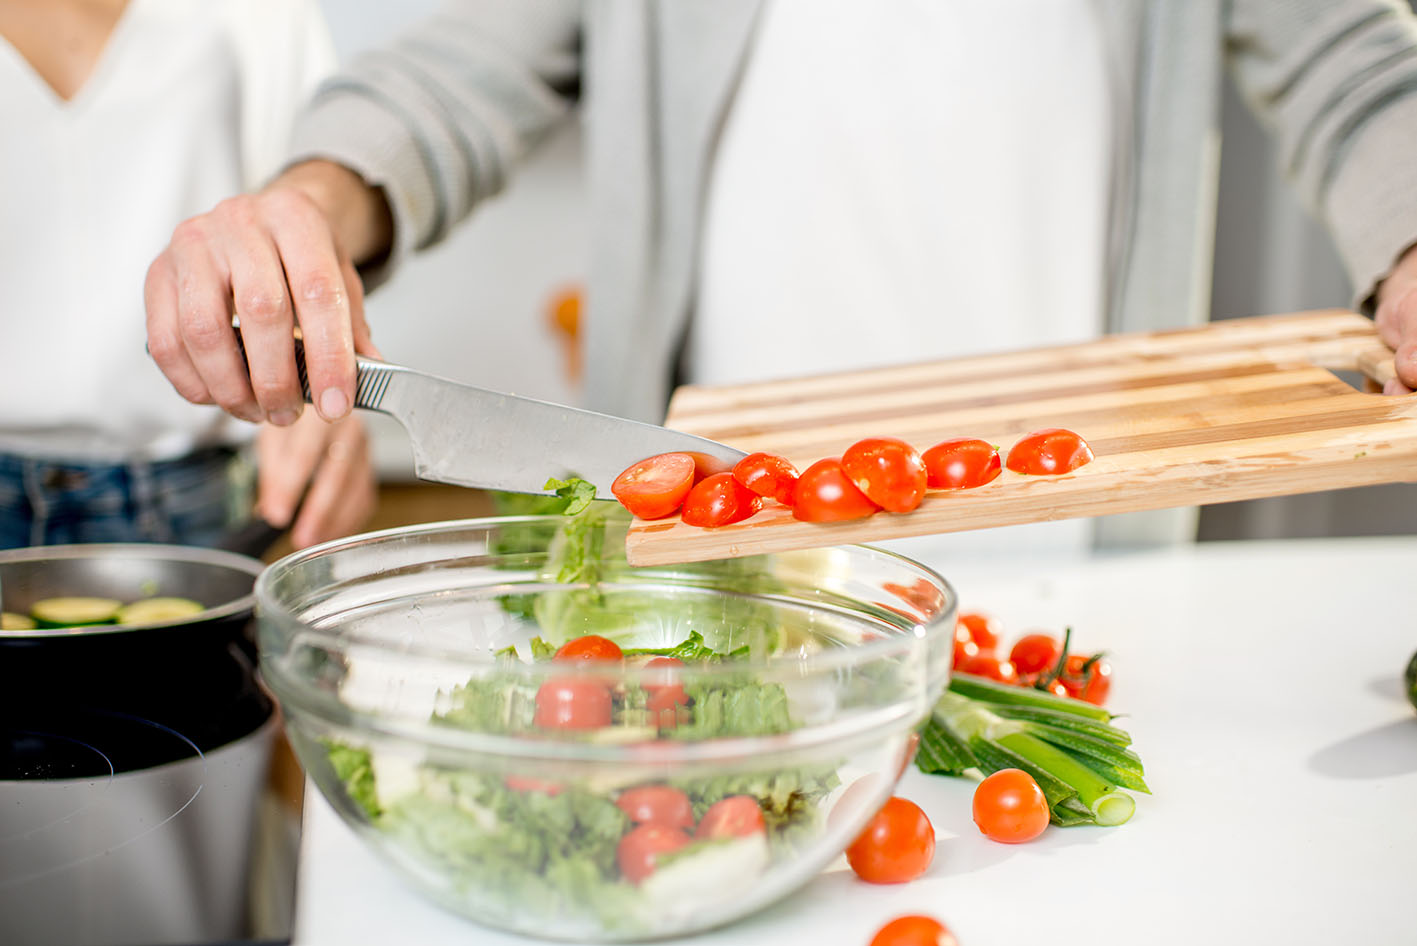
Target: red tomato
1010	807
1092	684
983	630
1050	450
961	464
964	648
767	474
666	697
987	664
1058	688
738	816
914	931
572	703
888	471
640	847
657	804
591	647
1035	653
897	845
718	500
656	486
524	783
824	493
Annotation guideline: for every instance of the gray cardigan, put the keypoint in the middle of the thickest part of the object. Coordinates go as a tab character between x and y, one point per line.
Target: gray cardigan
440	117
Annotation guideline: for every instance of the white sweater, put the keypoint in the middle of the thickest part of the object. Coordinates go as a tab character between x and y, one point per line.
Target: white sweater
191	101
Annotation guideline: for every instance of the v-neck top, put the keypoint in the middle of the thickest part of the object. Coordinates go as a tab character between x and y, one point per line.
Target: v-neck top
190	101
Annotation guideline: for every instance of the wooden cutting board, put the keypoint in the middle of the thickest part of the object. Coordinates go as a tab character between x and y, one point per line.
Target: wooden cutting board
1233	410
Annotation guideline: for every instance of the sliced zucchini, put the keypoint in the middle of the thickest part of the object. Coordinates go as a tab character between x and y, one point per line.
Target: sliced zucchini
9	621
75	612
158	610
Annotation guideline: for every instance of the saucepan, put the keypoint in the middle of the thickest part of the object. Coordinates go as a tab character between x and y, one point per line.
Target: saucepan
132	758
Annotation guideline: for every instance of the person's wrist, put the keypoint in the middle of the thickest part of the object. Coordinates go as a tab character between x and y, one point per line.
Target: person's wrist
358	213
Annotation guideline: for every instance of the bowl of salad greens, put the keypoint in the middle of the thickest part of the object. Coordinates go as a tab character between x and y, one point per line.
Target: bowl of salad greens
544	739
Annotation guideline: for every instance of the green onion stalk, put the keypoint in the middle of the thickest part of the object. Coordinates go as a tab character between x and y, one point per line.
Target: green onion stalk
1078	758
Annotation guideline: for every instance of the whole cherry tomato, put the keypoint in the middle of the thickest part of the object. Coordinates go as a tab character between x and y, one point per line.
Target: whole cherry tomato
737	816
982	629
1088	678
1051	450
961	464
657	804
824	493
640	848
987	664
1035	653
897	845
591	647
914	930
767	474
655	486
718	500
889	471
964	647
1010	807
572	703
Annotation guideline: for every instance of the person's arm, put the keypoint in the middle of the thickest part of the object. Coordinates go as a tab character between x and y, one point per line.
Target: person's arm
1335	81
388	157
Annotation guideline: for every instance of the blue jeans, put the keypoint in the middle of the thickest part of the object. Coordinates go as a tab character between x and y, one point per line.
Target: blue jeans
186	501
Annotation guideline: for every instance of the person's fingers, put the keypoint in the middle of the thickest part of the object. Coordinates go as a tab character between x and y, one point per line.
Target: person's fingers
342	495
359	325
258	293
286	459
204	320
320	297
1394	386
165	345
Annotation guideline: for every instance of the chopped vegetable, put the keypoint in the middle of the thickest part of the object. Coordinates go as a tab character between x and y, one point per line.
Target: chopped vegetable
889	471
824	493
768	475
591	647
656	486
962	463
75	612
1049	451
573	703
158	611
639	852
897	844
1010	807
657	804
737	816
719	500
16	622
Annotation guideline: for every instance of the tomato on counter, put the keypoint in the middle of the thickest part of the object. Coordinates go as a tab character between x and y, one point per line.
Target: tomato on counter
896	846
914	930
1010	807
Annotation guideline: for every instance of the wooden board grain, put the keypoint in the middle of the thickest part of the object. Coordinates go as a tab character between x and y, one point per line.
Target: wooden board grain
1233	410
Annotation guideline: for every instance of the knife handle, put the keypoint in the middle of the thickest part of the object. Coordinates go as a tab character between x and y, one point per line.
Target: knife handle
371	378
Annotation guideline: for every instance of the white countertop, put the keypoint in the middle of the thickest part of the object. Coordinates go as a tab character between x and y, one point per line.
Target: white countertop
1263	687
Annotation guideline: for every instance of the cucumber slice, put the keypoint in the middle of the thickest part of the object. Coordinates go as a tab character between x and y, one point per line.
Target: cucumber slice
74	612
158	610
9	621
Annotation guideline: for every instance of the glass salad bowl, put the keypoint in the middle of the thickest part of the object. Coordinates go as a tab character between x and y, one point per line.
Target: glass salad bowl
613	799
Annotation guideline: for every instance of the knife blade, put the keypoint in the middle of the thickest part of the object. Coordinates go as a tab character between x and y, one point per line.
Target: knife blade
471	436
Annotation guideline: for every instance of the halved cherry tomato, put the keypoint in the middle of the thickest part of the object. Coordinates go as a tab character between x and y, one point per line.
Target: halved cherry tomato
525	783
914	930
1035	653
738	816
824	493
640	848
1051	450
767	474
987	664
572	703
657	804
718	500
666	697
983	630
655	486
889	471
897	845
591	647
1010	807
963	463
1090	682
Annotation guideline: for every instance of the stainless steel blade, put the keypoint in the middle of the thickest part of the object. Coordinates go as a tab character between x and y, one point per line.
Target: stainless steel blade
470	436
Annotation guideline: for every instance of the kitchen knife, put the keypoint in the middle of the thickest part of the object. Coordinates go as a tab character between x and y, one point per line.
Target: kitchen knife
471	436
